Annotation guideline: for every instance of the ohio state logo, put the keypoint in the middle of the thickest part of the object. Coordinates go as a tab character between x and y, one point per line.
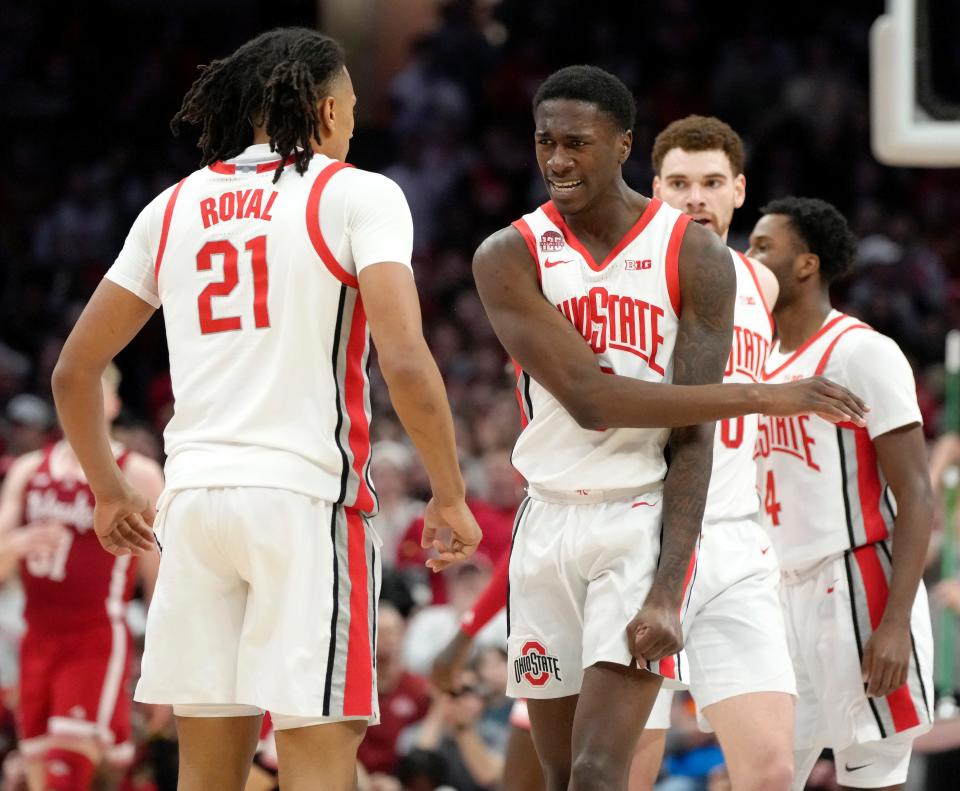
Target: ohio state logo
551	242
535	665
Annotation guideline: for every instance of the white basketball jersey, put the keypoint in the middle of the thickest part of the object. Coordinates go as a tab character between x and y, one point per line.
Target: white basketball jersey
266	330
626	307
823	491
733	481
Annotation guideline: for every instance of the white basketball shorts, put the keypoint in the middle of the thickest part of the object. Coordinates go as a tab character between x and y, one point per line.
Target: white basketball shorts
580	568
831	611
734	631
265	598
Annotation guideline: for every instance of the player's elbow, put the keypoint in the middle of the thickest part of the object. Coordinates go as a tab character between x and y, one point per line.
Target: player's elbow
404	365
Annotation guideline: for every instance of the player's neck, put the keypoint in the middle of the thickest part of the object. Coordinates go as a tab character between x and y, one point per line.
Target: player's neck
609	217
800	319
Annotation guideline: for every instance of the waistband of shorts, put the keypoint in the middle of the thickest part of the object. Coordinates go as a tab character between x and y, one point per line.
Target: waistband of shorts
587	496
804	573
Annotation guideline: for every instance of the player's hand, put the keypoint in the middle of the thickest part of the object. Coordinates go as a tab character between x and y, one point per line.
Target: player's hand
124	523
886	659
814	396
450	661
465	534
654	632
38	540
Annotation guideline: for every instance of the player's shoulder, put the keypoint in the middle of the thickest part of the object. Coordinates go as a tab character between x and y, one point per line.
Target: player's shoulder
364	184
23	468
507	243
860	346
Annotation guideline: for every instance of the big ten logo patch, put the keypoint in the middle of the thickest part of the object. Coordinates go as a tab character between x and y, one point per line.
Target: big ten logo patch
637	265
535	665
551	242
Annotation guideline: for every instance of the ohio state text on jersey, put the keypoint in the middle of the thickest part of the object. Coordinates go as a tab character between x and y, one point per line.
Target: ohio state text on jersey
626	307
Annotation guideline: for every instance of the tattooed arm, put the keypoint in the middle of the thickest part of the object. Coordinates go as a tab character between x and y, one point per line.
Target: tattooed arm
707	292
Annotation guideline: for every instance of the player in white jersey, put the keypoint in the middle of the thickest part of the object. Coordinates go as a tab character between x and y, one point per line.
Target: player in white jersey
849	511
740	673
270	263
596	587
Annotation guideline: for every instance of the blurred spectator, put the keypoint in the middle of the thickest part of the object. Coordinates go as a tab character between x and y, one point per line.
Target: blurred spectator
27	425
390	470
403	696
458	727
433	626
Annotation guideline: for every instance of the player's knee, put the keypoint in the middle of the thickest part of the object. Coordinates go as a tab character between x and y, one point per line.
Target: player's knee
772	772
595	770
66	770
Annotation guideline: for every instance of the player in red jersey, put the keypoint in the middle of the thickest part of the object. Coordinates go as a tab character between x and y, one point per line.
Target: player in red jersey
276	264
74	709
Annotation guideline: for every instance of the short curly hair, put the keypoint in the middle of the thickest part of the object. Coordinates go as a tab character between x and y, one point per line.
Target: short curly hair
591	84
822	229
699	133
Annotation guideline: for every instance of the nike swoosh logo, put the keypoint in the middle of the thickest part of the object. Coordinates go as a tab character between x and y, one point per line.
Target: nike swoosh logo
849	768
764	551
548	263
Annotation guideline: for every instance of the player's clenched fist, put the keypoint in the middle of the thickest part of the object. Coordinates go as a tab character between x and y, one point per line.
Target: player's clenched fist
465	533
654	632
817	396
124	523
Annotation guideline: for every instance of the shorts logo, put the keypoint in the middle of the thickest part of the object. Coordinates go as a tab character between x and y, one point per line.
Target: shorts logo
551	242
535	665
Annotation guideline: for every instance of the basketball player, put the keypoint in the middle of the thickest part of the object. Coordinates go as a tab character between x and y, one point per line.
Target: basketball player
848	510
740	672
74	707
270	263
595	600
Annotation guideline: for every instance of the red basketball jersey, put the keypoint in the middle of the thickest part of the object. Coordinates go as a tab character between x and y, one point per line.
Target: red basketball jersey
81	584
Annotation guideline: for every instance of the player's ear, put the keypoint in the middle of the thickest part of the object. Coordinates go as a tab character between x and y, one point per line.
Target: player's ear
739	190
655	187
326	113
626	144
806	265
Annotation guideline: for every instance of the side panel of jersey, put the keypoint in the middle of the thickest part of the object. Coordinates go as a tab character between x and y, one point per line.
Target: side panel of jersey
821	487
267	336
626	309
733	481
79	585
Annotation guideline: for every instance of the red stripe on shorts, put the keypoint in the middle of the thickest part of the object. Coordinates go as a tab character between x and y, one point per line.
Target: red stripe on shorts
355	396
523	410
358	684
875	583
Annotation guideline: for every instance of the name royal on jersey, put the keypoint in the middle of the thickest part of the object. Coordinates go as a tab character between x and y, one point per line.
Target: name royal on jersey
615	321
237	205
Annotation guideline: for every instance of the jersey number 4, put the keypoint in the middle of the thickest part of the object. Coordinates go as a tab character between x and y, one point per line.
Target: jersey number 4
770	503
257	247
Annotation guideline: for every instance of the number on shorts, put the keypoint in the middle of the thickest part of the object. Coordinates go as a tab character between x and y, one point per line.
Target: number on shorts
770	503
258	261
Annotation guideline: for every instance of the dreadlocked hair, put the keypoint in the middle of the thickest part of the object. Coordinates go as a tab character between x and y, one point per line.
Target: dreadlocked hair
276	80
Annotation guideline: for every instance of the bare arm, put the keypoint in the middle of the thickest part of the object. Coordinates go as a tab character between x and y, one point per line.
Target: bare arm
551	350
420	401
707	290
902	457
15	539
111	319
